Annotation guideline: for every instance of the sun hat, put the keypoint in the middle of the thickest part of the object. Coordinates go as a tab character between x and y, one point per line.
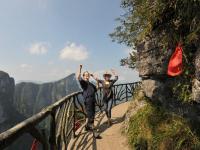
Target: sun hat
107	73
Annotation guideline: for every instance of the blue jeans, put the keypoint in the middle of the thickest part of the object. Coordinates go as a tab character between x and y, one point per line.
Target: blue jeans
108	107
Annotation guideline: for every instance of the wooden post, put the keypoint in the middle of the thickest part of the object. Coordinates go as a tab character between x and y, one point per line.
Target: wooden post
126	92
45	145
74	120
40	136
52	138
114	97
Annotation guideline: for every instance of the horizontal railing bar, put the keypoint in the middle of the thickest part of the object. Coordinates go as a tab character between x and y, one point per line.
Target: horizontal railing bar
124	84
127	83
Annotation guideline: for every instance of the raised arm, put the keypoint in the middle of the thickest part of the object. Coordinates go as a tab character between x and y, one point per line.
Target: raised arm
116	76
97	79
79	72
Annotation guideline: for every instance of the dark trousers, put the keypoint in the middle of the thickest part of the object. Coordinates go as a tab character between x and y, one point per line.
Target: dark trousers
90	111
108	107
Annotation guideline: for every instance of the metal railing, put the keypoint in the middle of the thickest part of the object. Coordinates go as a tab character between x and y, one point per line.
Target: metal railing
54	126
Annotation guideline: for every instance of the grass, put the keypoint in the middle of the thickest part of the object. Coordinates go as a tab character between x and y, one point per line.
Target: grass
154	129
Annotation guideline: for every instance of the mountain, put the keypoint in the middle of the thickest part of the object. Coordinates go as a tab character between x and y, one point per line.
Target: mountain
30	98
9	116
20	101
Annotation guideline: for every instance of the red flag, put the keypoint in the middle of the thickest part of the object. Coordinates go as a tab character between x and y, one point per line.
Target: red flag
175	66
35	145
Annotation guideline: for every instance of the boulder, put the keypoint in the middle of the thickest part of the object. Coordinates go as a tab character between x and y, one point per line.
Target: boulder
155	90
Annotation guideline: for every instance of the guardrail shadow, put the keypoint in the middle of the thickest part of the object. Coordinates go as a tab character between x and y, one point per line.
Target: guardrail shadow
86	140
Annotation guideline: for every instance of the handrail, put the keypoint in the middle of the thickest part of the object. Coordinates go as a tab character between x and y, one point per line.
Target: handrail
12	134
63	114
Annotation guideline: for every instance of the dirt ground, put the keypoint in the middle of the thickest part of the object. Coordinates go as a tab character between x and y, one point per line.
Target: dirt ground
111	137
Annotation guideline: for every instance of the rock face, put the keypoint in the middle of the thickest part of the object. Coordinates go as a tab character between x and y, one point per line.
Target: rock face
152	66
8	114
30	98
197	64
196	82
156	90
23	100
152	58
152	63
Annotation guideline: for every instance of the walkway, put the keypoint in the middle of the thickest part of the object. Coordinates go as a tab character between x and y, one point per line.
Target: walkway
112	139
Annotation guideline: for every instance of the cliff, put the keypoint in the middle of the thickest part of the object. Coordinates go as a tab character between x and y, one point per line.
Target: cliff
18	102
8	114
30	98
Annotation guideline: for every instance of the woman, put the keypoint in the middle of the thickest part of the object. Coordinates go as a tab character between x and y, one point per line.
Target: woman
107	84
89	97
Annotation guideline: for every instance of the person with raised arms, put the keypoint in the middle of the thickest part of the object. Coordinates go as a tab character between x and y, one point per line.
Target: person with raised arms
107	85
89	91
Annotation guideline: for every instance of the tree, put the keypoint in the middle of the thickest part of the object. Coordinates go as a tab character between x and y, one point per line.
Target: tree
179	20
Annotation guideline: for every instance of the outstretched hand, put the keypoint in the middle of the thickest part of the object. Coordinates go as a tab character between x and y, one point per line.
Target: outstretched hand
94	76
114	72
79	72
81	66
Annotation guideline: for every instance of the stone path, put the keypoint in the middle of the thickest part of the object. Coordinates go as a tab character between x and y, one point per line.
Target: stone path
112	139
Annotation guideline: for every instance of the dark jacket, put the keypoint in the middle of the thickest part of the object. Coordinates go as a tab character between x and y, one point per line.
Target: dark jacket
89	90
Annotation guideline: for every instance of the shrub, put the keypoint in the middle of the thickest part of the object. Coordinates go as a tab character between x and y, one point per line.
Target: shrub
153	128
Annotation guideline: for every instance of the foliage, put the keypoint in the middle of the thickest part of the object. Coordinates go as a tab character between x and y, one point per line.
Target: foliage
182	91
129	60
177	17
153	128
182	86
178	20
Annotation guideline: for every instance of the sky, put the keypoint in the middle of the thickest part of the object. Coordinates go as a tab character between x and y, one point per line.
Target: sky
46	40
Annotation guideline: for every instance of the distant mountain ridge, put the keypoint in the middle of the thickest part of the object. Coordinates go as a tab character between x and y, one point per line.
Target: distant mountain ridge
9	116
30	98
20	101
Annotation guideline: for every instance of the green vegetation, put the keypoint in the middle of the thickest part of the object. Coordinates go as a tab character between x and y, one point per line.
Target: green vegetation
155	129
182	89
175	19
168	22
172	21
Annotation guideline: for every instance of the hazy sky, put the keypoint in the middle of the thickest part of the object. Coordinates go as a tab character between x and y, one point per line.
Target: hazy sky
45	40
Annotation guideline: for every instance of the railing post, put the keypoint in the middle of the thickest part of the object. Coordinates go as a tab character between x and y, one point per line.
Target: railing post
114	96
52	138
45	145
40	136
74	116
126	92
